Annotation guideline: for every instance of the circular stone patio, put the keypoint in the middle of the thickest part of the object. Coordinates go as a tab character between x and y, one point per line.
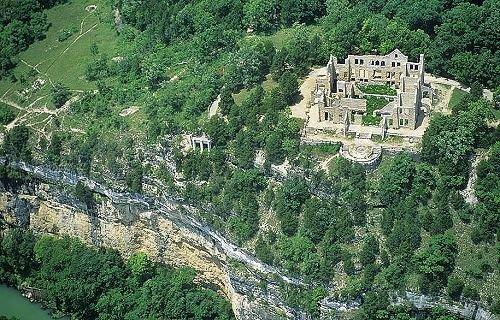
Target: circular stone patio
364	152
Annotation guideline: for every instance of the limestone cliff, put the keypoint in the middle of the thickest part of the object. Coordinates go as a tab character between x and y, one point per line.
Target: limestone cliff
130	227
165	229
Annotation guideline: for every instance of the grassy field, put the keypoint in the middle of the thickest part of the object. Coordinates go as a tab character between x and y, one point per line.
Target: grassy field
51	61
284	35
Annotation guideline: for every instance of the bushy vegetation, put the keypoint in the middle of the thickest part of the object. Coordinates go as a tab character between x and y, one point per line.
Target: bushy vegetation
98	284
6	114
389	230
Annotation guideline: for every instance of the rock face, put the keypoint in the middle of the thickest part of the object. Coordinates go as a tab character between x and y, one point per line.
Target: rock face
467	310
137	226
166	230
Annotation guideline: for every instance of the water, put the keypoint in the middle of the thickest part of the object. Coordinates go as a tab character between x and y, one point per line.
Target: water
12	303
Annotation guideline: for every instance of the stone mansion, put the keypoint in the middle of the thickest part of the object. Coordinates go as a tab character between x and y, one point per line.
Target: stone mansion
338	97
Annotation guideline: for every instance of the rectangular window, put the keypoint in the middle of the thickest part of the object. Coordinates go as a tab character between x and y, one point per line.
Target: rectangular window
382	63
393	64
326	116
361	61
355	61
416	67
406	122
411	67
400	122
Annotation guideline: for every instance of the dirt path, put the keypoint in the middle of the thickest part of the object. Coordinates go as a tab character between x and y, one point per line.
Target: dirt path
300	109
324	164
11	103
69	46
35	67
28	112
468	193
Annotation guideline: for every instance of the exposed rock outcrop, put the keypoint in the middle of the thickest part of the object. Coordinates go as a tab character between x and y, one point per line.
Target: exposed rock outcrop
165	229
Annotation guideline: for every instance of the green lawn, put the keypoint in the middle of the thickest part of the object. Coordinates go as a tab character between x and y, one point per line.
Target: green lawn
382	89
283	36
372	104
65	61
320	151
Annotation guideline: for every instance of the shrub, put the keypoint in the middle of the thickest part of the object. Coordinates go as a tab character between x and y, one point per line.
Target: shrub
455	288
6	114
471	293
60	95
64	34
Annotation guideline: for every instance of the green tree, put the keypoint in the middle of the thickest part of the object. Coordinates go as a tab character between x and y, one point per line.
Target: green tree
396	178
245	223
134	177
288	84
454	288
6	114
436	261
140	266
55	148
316	219
60	95
296	252
289	200
15	143
84	194
260	14
369	251
263	251
16	255
244	150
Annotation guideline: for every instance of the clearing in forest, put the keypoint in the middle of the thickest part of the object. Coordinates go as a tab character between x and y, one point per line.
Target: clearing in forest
61	57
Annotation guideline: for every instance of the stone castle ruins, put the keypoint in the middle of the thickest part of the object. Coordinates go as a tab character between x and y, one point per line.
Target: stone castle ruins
339	101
